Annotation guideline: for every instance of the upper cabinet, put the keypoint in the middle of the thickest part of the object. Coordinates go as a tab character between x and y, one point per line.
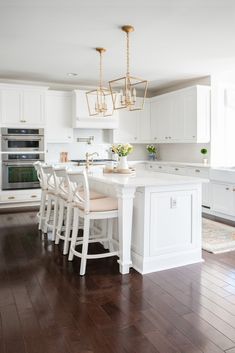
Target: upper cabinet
82	119
134	126
59	117
181	116
22	105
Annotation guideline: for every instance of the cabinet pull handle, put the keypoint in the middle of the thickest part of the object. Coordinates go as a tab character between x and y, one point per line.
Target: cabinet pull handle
226	188
197	170
33	196
23	121
169	137
166	137
150	166
160	167
176	168
11	197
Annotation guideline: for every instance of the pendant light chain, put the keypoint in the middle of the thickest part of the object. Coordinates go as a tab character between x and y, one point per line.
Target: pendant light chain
128	53
101	71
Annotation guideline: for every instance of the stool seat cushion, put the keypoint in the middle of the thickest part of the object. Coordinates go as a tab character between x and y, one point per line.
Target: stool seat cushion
93	195
101	205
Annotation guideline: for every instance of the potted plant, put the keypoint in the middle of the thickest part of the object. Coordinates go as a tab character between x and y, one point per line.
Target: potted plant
152	151
122	150
204	153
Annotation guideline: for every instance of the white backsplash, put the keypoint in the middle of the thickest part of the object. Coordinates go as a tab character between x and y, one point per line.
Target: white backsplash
77	150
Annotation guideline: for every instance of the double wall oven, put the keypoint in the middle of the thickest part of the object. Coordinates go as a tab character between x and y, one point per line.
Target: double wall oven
21	148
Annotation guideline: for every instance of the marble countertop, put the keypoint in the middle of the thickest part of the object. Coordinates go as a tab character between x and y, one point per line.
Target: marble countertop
183	164
143	178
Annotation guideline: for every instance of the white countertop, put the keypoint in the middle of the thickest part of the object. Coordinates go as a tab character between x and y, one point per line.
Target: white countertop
143	178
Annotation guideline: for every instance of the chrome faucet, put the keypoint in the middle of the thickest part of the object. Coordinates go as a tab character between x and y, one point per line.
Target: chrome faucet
89	158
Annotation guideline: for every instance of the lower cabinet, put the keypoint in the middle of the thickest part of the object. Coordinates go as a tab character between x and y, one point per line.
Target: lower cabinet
15	198
223	198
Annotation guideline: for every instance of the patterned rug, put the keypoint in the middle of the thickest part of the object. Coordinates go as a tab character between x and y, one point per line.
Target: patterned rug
217	237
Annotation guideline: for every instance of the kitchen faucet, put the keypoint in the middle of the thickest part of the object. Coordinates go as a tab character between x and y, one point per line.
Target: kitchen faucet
89	158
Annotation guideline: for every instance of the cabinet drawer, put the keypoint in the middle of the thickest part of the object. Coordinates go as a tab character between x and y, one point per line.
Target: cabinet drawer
12	197
158	168
198	172
177	170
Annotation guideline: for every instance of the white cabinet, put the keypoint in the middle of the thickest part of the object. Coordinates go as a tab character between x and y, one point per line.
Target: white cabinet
59	117
17	198
223	198
22	105
181	116
134	126
82	119
206	187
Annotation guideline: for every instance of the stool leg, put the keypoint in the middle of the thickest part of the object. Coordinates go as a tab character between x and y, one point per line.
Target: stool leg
48	213
67	229
42	210
110	234
55	218
85	246
74	233
60	221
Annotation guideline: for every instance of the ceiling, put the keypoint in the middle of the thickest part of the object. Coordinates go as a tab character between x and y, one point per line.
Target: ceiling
174	41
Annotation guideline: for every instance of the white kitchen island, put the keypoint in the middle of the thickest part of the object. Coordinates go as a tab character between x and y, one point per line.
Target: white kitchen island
159	225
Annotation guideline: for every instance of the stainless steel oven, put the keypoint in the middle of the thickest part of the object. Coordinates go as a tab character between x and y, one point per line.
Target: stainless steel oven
24	140
18	171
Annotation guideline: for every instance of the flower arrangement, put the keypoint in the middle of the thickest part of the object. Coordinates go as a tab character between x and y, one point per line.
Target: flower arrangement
151	149
122	150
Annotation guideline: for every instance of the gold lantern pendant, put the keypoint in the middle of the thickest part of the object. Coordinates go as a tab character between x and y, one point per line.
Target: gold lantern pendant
99	100
132	90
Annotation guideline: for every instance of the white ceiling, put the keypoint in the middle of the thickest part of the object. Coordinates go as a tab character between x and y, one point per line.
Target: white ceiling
175	40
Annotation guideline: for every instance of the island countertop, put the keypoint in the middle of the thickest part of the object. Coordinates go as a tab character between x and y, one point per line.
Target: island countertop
142	178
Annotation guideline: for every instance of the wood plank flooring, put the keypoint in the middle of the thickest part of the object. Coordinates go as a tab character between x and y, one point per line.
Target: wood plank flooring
46	307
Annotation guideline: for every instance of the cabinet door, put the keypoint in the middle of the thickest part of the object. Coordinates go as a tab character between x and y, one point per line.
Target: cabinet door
171	222
144	126
11	106
128	126
189	126
160	120
33	107
176	118
59	117
222	198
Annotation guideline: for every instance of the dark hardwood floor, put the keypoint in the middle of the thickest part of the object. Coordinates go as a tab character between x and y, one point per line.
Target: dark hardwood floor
46	307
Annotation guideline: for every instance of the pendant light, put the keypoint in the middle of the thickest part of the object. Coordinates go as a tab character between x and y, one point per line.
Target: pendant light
132	90
99	100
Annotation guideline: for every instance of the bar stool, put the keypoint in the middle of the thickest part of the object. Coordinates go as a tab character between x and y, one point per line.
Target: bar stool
52	200
85	208
65	210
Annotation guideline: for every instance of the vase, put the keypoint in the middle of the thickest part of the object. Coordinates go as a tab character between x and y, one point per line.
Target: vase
123	163
152	156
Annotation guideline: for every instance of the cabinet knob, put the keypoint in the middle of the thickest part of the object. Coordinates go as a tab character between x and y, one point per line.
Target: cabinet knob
23	121
169	137
150	166
135	138
160	167
166	137
197	170
226	188
176	168
33	196
11	197
155	138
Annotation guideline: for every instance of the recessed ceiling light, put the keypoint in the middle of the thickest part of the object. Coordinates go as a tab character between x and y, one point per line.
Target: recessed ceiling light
72	74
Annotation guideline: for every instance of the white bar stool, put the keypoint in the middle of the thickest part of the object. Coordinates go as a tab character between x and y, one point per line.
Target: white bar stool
50	219
87	209
65	210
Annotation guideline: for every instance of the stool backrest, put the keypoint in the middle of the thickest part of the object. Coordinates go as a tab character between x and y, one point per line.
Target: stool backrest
79	189
60	178
47	177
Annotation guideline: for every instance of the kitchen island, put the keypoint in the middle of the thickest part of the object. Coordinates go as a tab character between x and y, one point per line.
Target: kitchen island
159	223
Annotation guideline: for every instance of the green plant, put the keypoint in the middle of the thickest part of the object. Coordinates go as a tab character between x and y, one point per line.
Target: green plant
122	150
151	149
204	151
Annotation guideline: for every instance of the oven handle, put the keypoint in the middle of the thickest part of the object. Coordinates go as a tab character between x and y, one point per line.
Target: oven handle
24	138
18	164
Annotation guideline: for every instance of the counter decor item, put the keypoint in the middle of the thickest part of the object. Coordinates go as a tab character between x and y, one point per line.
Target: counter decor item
204	153
64	157
152	151
122	150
